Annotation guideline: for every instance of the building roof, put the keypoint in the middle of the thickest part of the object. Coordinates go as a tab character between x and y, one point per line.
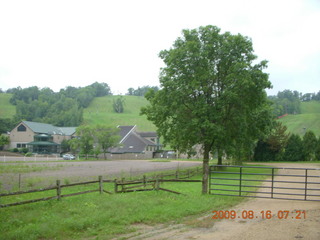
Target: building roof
132	141
148	134
45	128
125	131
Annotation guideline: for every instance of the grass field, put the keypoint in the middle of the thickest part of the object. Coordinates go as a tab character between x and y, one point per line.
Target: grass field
7	110
105	216
309	119
101	111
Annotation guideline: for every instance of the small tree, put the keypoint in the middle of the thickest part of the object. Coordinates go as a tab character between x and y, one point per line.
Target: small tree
74	144
294	149
106	137
309	145
86	139
4	140
118	104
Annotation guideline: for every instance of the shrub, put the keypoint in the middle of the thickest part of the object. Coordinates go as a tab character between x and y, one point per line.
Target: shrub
28	154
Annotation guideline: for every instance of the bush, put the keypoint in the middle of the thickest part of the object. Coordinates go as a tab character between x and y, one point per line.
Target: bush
15	150
28	154
23	150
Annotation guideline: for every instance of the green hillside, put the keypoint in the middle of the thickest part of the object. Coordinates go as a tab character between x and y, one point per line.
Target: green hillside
7	110
100	111
309	119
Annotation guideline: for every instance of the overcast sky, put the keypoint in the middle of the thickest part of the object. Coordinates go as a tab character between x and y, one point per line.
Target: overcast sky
75	43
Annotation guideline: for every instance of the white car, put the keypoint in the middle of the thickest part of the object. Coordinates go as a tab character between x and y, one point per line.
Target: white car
68	157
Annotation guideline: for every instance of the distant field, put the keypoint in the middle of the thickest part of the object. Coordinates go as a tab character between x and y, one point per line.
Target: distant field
101	111
309	119
7	110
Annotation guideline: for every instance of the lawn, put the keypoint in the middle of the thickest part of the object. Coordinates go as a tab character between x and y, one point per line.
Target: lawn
103	216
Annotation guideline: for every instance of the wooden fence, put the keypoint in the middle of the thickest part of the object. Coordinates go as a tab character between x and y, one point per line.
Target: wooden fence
120	186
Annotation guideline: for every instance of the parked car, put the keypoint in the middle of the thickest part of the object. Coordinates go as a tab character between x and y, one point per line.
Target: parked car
68	157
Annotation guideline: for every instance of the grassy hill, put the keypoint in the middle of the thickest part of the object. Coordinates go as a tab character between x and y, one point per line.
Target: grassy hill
309	119
100	111
7	110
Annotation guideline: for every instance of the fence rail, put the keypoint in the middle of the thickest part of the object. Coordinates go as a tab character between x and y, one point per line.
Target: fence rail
143	184
281	183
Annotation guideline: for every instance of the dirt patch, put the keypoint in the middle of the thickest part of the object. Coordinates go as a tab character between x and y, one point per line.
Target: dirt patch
307	227
75	171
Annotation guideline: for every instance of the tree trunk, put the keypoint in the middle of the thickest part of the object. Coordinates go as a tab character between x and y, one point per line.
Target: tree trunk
205	165
219	157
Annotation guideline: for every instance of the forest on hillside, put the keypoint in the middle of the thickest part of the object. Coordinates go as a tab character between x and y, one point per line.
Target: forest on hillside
289	102
62	109
65	108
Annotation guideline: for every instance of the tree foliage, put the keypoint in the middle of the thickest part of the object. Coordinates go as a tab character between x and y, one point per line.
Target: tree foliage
309	145
93	139
118	104
211	93
141	91
106	137
64	108
4	140
294	149
272	147
286	102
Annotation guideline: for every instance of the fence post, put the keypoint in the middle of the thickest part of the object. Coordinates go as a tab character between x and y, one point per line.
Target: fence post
306	185
177	174
122	186
19	181
144	180
157	184
100	185
272	182
240	183
115	186
58	189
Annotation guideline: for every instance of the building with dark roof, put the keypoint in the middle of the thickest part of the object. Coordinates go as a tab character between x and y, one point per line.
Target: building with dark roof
134	142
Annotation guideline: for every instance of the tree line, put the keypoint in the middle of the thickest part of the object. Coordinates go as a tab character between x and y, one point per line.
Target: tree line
141	91
279	145
289	102
62	109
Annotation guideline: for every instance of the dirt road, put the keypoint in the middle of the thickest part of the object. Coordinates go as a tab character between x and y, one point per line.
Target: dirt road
307	227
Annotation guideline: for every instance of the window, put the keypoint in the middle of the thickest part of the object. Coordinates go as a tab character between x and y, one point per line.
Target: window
22	128
18	145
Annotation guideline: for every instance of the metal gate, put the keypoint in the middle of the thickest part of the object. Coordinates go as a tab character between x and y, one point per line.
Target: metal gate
265	182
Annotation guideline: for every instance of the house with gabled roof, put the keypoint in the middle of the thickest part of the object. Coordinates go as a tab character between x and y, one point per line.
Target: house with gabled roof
40	138
134	144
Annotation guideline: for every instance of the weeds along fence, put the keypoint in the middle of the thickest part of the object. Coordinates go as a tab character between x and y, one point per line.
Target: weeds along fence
120	186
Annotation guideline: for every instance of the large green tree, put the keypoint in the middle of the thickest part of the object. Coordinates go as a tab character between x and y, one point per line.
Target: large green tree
212	94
